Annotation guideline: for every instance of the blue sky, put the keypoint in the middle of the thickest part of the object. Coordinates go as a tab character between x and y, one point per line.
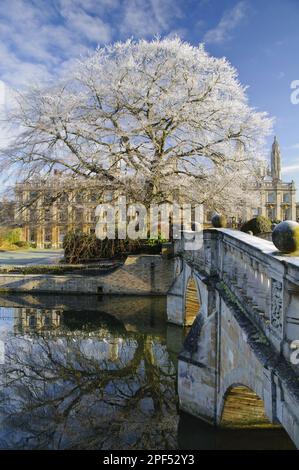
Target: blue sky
41	38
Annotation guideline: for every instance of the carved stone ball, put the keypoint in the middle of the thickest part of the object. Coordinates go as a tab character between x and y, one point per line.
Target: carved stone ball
219	221
285	236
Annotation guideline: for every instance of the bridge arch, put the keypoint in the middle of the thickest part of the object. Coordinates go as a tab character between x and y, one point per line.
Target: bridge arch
243	407
193	301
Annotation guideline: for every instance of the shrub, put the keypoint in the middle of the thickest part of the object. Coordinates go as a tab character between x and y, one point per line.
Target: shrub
80	247
257	225
22	244
13	235
10	238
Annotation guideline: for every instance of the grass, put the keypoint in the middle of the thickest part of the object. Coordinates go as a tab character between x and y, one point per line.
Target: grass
40	269
54	269
8	246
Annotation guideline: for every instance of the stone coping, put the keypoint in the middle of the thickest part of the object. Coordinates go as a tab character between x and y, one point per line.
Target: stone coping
264	246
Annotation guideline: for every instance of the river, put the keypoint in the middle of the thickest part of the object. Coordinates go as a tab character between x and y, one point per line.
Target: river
99	374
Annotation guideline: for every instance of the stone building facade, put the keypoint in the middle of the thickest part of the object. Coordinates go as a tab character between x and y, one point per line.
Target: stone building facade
46	214
36	319
277	197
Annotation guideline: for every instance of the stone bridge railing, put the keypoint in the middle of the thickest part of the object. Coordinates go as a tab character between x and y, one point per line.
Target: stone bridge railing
263	282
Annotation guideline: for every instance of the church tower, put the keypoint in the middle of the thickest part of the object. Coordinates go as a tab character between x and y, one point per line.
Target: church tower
275	161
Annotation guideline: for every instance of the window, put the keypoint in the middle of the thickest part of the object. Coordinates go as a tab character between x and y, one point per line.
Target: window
33	215
32	235
48	234
63	198
61	237
286	198
47	215
32	321
79	215
271	198
93	197
48	199
62	216
287	214
271	214
33	195
80	197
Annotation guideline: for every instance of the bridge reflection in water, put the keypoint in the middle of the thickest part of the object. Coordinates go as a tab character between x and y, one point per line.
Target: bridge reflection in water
98	379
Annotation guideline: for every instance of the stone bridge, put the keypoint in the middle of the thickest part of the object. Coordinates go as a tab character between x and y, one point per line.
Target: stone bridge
241	297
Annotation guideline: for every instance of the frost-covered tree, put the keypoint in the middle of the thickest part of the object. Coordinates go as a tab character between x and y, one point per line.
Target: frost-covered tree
156	121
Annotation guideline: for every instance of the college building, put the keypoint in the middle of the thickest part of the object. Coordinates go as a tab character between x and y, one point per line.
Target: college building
277	197
45	213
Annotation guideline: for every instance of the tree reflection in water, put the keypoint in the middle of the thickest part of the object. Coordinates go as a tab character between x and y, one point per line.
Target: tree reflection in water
83	389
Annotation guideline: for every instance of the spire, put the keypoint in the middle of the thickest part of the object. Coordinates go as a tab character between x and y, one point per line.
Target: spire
275	161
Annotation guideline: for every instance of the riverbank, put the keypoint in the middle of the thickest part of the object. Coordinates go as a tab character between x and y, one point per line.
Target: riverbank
138	275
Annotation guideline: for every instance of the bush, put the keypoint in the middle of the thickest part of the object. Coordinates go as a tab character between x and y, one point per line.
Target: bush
10	239
13	235
80	247
257	225
22	244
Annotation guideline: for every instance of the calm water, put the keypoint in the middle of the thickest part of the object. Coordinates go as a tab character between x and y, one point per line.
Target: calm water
99	376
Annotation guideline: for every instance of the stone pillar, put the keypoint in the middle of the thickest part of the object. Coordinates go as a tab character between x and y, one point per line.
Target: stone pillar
212	239
40	232
55	235
251	284
263	202
279	212
293	204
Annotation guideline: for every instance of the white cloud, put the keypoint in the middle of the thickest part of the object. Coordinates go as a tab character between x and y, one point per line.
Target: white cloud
7	101
148	17
78	20
40	38
290	168
229	21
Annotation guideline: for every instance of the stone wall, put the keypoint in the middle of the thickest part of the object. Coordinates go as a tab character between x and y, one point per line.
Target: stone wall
139	275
